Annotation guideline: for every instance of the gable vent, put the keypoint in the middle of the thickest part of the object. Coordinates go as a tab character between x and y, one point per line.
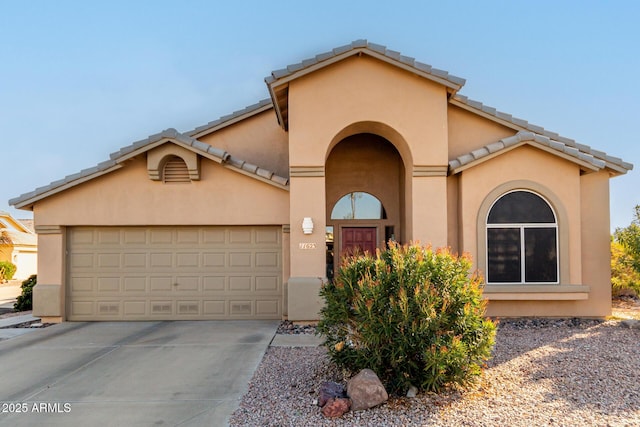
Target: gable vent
175	171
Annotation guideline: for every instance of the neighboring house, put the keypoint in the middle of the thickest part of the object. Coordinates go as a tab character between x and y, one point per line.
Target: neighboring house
245	216
18	245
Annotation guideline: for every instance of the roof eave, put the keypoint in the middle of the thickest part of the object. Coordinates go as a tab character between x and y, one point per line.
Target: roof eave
27	203
584	165
232	119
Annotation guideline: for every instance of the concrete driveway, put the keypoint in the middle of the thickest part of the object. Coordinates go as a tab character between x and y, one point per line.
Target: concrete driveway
130	373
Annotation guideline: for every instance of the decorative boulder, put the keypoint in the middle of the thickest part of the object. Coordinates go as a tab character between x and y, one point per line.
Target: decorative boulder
329	389
336	407
366	391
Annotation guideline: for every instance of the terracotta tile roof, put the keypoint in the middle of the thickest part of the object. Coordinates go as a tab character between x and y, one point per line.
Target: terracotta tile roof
278	81
12	237
362	45
521	125
230	119
570	152
139	147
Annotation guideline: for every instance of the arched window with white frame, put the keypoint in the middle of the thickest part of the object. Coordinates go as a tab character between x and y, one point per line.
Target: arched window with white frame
522	240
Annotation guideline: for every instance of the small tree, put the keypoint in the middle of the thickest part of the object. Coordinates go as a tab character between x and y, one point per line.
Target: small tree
7	270
413	315
625	258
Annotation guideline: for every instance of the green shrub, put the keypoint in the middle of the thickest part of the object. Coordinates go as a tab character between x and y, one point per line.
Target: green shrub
7	270
24	302
412	315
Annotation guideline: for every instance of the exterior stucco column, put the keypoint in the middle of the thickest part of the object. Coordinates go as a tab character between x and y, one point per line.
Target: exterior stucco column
429	196
308	256
49	293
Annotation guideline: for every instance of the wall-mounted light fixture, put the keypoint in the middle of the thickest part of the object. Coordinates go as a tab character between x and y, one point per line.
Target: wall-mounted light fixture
307	225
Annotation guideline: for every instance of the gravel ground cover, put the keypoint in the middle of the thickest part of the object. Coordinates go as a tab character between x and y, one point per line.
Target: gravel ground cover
566	372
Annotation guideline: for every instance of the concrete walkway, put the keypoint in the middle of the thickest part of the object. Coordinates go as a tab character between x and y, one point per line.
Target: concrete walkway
131	373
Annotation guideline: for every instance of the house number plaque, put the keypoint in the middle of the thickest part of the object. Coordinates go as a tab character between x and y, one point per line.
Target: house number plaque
307	245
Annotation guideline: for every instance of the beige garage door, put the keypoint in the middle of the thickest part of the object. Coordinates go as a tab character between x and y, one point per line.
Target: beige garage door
172	273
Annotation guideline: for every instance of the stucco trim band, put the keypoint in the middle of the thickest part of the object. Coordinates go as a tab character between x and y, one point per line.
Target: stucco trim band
306	171
536	292
425	170
48	229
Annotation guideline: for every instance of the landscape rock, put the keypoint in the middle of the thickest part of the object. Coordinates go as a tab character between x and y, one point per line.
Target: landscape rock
366	391
413	391
336	407
328	390
631	323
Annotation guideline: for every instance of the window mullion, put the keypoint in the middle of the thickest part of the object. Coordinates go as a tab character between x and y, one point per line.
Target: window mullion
522	256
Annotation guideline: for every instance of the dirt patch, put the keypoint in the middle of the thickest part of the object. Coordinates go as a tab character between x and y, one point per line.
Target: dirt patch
626	308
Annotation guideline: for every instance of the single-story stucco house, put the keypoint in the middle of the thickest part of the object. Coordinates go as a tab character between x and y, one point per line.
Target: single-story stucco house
246	216
18	245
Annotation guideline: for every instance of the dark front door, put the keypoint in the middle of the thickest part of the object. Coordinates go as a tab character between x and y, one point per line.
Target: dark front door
359	238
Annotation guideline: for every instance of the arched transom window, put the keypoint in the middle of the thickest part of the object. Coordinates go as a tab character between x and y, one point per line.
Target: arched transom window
522	240
358	205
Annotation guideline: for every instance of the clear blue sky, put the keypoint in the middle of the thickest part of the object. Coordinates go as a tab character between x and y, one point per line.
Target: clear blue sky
81	79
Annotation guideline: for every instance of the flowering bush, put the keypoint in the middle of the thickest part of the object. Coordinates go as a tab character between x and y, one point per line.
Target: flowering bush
413	315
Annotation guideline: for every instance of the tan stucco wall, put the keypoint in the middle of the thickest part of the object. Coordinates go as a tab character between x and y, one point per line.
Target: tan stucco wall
128	197
596	248
258	140
468	131
356	90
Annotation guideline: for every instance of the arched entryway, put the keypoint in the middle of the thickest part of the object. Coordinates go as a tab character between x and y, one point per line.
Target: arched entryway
364	179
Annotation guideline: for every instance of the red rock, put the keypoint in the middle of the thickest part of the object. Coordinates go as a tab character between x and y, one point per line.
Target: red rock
336	407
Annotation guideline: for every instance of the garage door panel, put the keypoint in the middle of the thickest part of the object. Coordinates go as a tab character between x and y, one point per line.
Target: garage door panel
240	283
267	259
161	308
189	308
267	307
268	236
81	260
242	236
108	261
135	309
82	308
214	259
214	283
137	273
133	260
135	284
161	260
187	284
133	236
81	284
214	236
267	283
186	260
82	237
188	237
108	237
109	284
108	309
240	259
